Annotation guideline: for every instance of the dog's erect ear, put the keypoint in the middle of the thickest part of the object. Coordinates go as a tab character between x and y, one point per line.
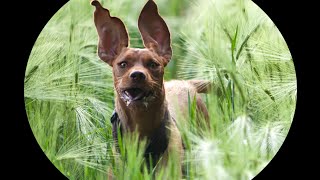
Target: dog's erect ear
112	34
154	31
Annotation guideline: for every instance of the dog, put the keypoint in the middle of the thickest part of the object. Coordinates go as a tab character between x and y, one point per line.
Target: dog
143	101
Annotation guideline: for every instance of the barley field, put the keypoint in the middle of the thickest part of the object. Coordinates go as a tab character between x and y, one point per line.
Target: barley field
232	43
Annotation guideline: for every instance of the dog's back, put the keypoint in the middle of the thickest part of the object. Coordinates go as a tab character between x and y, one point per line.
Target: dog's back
178	94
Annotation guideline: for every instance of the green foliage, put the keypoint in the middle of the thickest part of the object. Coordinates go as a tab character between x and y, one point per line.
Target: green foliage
69	91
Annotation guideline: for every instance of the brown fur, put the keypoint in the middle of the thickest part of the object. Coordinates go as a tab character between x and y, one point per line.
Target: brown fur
137	116
145	115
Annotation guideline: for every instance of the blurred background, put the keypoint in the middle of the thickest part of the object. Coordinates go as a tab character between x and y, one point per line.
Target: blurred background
232	43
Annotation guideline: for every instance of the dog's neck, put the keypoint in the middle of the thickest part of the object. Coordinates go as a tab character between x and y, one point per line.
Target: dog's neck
143	119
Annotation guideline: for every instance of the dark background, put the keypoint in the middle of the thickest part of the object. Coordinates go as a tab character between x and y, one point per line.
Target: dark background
24	21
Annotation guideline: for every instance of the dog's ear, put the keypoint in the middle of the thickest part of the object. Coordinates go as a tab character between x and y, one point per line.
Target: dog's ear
113	36
154	31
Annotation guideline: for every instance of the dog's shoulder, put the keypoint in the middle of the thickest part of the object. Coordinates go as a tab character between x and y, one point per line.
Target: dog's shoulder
175	145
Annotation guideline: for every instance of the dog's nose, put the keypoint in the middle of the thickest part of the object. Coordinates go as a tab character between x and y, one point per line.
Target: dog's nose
137	75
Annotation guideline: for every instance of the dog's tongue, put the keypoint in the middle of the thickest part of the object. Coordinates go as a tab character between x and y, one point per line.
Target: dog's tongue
134	94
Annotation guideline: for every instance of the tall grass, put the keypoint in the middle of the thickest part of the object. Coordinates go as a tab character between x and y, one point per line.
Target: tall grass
69	91
243	53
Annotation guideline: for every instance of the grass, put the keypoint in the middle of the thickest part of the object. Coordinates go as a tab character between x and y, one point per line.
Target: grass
69	91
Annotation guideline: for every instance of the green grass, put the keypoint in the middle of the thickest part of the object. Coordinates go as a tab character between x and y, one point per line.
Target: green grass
69	91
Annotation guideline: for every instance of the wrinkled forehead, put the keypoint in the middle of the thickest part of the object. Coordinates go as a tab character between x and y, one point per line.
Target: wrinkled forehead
137	53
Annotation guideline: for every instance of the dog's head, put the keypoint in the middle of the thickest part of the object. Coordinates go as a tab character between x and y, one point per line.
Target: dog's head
138	73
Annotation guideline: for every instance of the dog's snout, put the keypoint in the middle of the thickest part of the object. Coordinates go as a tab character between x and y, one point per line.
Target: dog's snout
137	75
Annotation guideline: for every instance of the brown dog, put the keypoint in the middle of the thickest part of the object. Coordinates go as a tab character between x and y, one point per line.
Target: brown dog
143	102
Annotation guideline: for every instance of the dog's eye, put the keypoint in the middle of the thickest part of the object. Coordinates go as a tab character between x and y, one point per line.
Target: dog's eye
123	64
153	64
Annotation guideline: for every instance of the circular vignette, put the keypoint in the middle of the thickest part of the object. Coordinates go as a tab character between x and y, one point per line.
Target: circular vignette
69	91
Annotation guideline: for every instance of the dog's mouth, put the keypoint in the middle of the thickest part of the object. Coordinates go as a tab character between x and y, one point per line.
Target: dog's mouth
131	95
134	94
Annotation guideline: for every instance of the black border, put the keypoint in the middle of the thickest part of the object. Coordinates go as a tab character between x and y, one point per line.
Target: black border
25	21
292	159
